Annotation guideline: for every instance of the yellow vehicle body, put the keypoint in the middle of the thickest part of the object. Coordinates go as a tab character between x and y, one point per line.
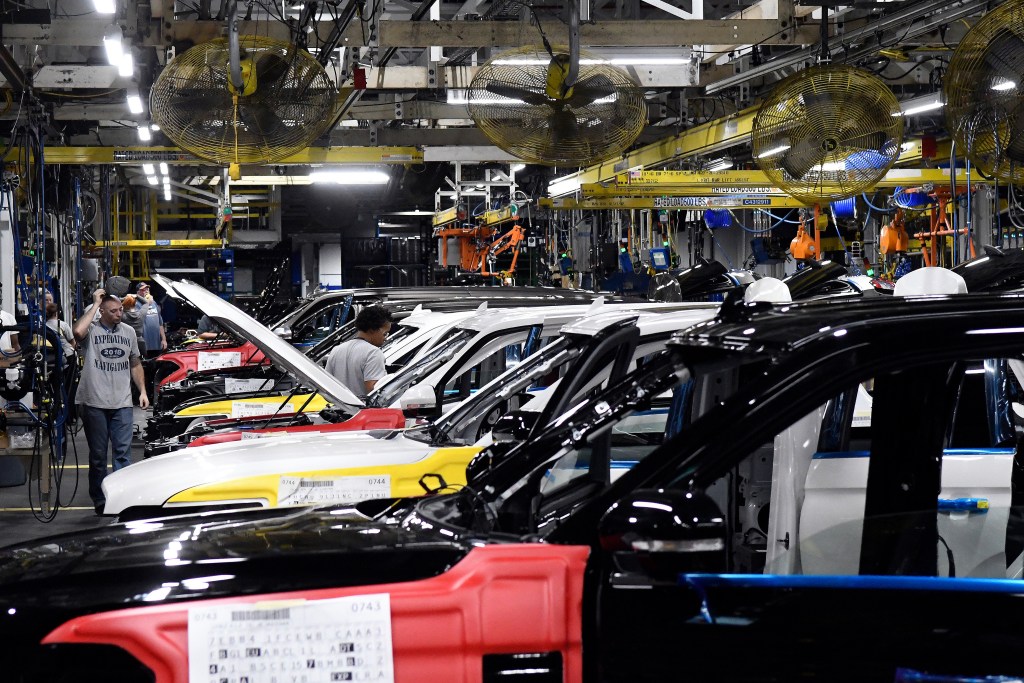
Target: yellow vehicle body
447	463
263	405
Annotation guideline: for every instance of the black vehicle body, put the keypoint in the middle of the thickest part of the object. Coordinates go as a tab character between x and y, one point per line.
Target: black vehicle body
994	270
703	281
662	597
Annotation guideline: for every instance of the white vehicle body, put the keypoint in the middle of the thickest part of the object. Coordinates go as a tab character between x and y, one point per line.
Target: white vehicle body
264	471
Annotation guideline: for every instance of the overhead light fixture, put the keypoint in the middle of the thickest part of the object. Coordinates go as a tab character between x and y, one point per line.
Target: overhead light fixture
144	134
167	193
1003	84
126	67
773	151
719	164
134	100
154	126
113	44
148	169
832	166
153	180
919	105
350	177
163	168
516	168
104	6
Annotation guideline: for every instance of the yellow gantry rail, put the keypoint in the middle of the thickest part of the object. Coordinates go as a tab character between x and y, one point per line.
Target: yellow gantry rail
141	245
721	189
133	156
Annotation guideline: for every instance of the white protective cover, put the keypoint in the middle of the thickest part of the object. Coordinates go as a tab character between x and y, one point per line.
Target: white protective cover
930	281
767	289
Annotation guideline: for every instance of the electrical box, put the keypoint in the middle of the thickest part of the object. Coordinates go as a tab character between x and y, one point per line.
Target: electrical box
661	260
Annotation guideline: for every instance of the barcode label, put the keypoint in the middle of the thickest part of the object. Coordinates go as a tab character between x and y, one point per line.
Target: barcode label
261	614
314	484
314	641
322	490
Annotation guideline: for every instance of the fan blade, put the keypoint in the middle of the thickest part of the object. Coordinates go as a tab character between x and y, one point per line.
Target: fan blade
202	101
588	91
1004	56
516	93
563	124
260	119
270	68
802	157
873	140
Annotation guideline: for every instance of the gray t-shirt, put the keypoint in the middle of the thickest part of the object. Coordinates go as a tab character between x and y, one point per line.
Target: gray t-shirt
356	362
106	373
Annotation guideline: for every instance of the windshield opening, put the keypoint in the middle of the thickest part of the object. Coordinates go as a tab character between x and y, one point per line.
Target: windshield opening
445	349
536	372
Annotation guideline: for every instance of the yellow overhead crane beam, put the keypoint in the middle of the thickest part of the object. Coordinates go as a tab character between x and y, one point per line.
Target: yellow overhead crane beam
143	245
708	138
670	202
134	156
717	190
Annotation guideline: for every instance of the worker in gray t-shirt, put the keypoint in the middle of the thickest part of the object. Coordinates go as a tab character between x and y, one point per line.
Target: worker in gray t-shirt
104	392
359	362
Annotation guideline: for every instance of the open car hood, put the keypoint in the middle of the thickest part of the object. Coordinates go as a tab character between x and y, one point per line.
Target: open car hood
283	354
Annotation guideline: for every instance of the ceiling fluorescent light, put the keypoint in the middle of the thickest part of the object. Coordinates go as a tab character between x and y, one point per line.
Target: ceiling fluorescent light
152	179
1003	84
351	177
126	67
773	151
134	101
113	45
163	168
104	6
719	164
516	168
167	193
832	166
919	105
144	134
148	169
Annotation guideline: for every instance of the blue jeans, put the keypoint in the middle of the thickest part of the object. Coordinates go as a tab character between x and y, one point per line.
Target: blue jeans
102	425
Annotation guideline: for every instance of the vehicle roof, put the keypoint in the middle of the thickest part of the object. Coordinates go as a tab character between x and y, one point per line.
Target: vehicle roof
500	318
773	329
645	314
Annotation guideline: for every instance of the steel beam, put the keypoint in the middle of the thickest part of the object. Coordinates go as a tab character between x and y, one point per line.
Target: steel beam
649	33
912	13
399	33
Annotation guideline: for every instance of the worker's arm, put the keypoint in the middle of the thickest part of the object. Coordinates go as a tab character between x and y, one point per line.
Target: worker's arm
163	338
370	384
139	377
81	328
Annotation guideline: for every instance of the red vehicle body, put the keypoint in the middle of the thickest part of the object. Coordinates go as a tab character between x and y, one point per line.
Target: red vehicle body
368	418
188	360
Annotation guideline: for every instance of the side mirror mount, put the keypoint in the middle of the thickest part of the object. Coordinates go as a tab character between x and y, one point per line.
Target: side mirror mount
514	426
664	533
283	332
418	400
